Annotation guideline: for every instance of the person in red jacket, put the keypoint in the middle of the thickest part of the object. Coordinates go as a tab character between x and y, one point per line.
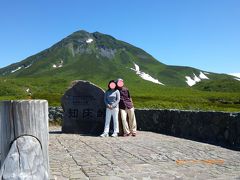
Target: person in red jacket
126	108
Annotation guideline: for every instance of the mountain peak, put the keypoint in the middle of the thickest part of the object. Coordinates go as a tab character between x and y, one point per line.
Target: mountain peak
86	34
81	32
82	36
88	55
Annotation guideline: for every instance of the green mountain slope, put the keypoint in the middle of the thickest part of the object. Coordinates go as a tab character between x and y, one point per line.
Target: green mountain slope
104	58
99	58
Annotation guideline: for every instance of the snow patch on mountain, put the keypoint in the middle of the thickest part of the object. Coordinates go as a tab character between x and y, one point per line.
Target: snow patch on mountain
89	40
59	65
28	66
144	75
13	71
203	76
20	67
137	68
235	74
192	81
196	79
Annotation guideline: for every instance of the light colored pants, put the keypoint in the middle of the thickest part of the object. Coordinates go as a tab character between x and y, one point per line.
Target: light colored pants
111	113
132	120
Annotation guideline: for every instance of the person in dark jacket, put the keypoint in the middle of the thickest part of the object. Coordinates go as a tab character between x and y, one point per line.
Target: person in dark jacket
126	109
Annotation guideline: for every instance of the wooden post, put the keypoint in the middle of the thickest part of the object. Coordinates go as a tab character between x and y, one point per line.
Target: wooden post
24	127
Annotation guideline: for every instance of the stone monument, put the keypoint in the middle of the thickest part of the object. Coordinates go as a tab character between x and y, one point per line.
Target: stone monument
84	108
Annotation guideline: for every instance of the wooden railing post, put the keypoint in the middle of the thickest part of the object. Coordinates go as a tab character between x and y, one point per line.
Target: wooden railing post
24	133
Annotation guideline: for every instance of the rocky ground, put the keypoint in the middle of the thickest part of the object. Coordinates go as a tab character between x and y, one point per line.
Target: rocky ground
147	156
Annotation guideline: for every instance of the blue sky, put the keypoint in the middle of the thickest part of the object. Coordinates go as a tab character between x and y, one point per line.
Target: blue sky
200	33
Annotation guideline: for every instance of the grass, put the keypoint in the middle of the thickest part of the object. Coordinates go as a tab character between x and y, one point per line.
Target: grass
147	95
179	98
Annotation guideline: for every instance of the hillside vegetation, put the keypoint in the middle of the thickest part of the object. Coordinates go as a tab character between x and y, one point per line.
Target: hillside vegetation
147	95
99	58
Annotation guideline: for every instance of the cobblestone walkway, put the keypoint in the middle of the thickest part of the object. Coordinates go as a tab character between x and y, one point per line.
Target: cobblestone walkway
147	156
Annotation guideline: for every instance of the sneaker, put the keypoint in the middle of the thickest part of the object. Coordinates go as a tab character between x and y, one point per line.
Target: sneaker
134	134
114	135
104	135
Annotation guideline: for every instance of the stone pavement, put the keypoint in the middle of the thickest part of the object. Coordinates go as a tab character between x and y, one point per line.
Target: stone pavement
147	156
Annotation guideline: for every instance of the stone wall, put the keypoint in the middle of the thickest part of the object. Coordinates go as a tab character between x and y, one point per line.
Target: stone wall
217	128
